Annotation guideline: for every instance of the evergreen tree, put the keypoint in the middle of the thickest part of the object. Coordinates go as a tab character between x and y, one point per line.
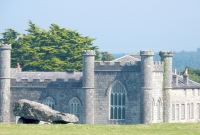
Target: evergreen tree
56	49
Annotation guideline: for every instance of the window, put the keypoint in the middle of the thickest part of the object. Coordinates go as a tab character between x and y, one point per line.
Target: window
188	111
49	102
198	110
198	92
153	104
185	92
158	109
74	104
173	112
193	92
177	111
117	102
192	111
182	111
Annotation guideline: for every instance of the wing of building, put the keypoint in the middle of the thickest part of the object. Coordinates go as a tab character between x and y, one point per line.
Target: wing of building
132	89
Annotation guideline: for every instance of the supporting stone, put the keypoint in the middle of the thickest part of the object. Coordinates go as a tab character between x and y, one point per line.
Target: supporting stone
166	57
147	85
88	84
5	83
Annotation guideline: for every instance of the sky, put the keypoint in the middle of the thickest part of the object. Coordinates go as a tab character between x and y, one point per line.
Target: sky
119	26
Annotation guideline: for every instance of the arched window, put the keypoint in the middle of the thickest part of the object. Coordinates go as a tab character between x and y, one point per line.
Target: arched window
49	102
153	104
159	109
75	104
117	102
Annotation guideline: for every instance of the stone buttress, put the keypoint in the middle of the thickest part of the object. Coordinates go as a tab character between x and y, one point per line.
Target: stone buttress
166	57
146	85
5	83
88	84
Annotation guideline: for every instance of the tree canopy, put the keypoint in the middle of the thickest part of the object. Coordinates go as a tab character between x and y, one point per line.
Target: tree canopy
56	49
194	74
106	56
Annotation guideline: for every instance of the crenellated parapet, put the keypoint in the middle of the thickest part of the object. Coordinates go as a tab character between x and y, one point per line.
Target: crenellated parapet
158	66
47	83
88	52
116	66
146	52
166	54
5	47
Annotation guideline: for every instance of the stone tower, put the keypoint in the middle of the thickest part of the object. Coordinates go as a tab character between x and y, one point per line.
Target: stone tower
88	84
166	57
5	83
146	85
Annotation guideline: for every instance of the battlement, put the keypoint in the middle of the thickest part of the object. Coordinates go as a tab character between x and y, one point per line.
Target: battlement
147	52
158	66
59	82
116	66
158	63
166	54
88	52
5	47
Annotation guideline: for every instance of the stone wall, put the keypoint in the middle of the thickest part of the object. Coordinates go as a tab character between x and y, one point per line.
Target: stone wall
184	97
103	85
157	96
61	96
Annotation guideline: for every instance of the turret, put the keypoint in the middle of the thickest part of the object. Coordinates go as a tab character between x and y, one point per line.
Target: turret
88	68
5	83
88	85
147	85
166	57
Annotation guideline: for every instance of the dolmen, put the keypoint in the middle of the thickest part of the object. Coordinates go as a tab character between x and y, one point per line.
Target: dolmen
31	112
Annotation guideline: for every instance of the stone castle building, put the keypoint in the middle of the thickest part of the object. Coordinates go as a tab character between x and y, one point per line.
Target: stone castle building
129	90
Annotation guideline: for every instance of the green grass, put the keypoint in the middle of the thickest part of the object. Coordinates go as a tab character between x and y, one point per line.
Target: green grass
79	129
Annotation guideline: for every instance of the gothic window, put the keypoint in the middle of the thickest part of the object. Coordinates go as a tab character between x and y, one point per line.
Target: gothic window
75	104
159	109
188	111
183	111
49	102
117	102
177	111
173	112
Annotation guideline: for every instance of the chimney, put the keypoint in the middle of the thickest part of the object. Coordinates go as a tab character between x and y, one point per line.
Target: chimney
185	76
175	78
18	67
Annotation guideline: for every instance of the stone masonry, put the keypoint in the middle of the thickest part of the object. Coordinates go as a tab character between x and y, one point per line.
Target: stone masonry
132	89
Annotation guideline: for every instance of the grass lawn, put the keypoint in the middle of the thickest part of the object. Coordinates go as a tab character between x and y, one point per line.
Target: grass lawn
79	129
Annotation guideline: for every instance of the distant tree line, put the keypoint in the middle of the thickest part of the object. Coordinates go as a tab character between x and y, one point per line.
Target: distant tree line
184	59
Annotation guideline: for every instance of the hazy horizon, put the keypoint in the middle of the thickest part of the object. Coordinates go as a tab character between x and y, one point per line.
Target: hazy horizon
120	26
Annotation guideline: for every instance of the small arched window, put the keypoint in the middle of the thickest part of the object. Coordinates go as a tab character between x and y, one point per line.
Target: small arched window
49	102
159	109
117	102
75	104
153	104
